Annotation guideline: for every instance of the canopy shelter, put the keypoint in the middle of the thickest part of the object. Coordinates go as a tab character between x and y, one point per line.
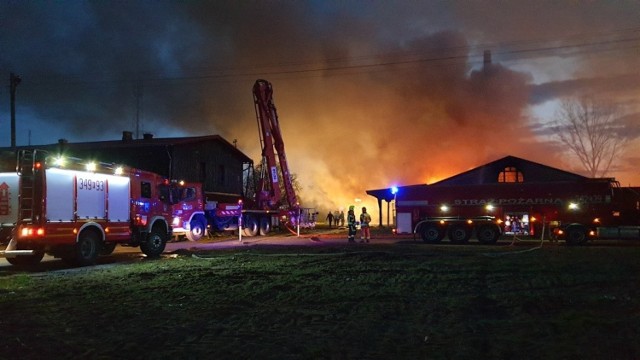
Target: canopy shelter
383	194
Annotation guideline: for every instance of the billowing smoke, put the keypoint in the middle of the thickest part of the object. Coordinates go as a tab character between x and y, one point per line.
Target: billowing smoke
367	96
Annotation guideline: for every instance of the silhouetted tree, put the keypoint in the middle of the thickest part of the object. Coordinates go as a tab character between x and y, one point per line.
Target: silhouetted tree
589	129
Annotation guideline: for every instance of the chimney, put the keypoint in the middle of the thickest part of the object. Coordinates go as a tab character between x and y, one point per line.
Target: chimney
127	136
147	136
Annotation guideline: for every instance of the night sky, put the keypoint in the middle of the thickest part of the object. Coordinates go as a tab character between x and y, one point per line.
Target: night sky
369	93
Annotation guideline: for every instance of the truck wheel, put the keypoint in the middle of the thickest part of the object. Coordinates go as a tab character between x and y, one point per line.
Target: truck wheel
86	250
155	243
107	248
198	229
431	233
265	226
26	260
459	234
488	234
576	235
250	226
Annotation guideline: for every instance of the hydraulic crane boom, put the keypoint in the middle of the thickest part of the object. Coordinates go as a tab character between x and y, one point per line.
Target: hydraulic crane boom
270	139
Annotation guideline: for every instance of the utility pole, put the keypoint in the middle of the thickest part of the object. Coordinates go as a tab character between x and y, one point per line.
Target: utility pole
14	80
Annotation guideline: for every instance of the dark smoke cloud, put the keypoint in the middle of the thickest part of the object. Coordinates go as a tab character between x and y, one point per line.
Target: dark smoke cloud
349	123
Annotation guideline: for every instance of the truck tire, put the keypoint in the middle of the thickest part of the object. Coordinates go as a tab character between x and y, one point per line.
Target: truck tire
250	226
198	229
26	260
431	233
488	234
155	243
265	226
86	250
108	248
575	235
459	234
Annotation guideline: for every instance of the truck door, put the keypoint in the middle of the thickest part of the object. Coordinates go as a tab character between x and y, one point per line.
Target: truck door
404	225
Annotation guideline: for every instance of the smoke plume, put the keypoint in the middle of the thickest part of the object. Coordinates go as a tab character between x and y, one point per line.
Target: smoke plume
367	96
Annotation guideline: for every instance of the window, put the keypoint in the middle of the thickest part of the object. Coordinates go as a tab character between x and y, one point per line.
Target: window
510	175
163	192
189	194
145	189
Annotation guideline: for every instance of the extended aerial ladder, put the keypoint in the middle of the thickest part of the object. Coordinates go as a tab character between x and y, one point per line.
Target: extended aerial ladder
269	195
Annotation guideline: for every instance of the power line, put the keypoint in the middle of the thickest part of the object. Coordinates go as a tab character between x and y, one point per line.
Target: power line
524	49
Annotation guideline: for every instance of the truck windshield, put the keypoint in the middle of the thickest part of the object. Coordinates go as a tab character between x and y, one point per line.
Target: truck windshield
172	194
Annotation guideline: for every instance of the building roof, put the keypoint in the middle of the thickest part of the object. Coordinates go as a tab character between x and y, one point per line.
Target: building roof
387	194
147	141
488	173
532	172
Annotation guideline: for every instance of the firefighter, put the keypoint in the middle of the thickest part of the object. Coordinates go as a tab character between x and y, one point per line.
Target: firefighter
330	218
351	224
365	219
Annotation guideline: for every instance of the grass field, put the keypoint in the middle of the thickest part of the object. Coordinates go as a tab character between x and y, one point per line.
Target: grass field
402	301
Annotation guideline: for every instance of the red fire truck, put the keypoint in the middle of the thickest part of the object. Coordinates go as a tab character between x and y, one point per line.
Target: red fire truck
574	211
176	208
253	216
52	205
195	214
